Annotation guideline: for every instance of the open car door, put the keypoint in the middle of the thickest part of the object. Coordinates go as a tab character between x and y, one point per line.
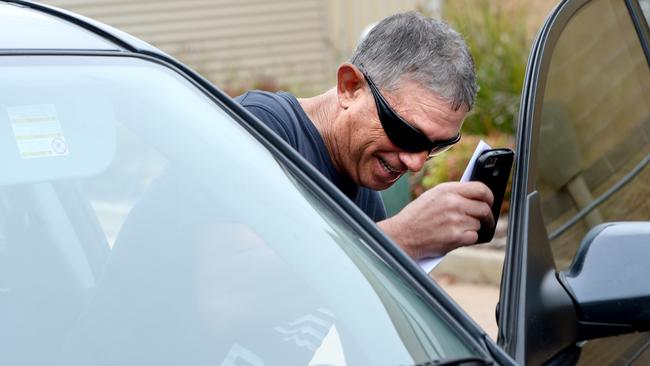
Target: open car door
576	283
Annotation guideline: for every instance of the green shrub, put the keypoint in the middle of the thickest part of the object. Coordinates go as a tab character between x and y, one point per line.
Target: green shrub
498	37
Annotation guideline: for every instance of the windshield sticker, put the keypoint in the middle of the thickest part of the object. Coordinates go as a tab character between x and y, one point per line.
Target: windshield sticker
37	131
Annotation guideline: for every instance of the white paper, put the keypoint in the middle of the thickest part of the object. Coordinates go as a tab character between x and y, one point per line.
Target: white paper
428	264
482	146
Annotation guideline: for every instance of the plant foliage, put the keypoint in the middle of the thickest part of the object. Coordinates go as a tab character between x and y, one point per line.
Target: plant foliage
497	35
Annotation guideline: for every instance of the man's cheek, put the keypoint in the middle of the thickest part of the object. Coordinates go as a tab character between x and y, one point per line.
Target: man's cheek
377	134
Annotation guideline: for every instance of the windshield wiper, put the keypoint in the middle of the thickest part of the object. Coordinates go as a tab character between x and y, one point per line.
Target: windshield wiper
461	361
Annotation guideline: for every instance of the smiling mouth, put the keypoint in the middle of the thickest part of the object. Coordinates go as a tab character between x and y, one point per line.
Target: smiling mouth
388	168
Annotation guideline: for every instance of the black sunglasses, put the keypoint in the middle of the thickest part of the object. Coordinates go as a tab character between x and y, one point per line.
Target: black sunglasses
401	133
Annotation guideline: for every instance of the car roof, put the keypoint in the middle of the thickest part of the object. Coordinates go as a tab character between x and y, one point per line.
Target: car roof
29	25
25	28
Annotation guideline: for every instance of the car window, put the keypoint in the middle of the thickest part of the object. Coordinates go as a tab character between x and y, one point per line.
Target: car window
141	224
595	125
645	8
595	139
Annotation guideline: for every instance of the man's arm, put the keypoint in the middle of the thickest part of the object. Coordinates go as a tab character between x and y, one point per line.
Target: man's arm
443	218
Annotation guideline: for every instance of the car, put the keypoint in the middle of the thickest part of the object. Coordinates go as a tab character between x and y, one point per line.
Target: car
147	218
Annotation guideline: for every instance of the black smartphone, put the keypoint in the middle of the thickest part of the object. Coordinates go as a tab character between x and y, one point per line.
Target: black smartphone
493	169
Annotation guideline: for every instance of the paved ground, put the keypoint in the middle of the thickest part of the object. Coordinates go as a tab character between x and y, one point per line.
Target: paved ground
478	300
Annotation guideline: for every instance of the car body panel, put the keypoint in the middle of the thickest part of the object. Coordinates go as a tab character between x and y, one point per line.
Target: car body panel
28	29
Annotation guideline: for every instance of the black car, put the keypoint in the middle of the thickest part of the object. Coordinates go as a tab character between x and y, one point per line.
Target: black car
147	219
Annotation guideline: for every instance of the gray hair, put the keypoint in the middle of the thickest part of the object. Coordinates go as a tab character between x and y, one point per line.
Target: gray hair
425	50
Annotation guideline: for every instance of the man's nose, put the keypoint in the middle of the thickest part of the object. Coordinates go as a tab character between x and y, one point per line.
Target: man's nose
414	161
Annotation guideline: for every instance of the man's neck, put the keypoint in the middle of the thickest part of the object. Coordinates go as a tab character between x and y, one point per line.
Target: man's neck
323	110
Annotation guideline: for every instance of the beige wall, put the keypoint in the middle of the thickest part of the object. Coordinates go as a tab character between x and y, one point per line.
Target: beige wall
234	42
348	19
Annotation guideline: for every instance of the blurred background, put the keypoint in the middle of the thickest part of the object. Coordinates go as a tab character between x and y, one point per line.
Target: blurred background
296	46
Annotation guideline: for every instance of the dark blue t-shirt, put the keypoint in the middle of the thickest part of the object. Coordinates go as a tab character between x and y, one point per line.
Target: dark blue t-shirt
284	115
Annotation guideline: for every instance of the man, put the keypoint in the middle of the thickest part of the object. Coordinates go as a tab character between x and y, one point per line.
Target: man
401	99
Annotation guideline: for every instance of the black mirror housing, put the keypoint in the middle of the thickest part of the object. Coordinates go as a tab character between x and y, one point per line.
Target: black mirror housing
609	278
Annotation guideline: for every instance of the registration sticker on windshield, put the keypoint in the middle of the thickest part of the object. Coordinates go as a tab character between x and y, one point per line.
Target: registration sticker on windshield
37	131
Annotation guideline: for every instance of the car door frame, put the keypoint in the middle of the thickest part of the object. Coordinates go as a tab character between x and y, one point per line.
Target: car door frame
536	316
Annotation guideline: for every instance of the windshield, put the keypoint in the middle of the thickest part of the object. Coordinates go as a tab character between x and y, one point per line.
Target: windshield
140	224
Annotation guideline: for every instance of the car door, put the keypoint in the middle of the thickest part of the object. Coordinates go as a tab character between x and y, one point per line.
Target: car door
583	146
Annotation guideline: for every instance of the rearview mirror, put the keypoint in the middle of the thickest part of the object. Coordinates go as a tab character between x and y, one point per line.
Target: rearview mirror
609	278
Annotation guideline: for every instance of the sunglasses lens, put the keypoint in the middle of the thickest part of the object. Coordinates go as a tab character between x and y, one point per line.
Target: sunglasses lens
403	136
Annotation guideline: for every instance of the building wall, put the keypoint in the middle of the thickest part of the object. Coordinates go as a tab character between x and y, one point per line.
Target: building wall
348	19
234	43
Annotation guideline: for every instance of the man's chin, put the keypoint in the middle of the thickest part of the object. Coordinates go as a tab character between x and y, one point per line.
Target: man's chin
380	185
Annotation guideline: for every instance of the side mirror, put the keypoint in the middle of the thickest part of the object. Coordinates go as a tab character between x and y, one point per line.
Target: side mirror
609	279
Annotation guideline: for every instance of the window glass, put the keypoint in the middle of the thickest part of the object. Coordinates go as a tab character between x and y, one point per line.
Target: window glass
595	125
595	135
645	7
140	224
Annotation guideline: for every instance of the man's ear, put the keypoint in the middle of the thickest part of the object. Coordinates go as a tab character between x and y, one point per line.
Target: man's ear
349	84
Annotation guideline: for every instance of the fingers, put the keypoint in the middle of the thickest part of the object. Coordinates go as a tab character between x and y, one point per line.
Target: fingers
471	190
469	237
470	215
468	232
478	209
475	200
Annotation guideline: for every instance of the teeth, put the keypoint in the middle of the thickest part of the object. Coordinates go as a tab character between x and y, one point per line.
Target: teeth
388	167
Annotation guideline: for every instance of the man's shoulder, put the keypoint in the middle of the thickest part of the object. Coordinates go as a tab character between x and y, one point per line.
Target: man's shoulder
274	103
274	109
253	97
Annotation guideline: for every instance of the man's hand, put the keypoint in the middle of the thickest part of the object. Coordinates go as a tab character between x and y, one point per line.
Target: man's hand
443	218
